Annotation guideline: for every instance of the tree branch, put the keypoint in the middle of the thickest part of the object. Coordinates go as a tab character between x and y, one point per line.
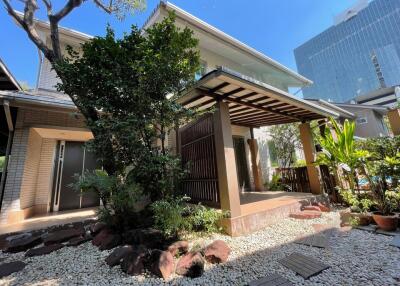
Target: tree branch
71	5
26	22
108	9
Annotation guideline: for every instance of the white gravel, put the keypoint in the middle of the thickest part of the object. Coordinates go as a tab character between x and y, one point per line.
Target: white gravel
356	258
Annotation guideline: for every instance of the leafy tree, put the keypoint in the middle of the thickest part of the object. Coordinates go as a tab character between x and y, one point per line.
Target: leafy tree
125	84
286	139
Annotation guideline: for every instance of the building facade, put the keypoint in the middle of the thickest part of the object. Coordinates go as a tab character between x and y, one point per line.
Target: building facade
360	53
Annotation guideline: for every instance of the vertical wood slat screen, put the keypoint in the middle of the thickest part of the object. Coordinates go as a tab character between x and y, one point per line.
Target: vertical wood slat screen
198	156
296	179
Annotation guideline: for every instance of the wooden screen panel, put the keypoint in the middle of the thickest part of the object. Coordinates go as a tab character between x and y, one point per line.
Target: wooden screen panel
295	179
199	158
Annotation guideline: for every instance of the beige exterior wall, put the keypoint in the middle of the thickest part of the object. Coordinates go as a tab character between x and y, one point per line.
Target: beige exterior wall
29	181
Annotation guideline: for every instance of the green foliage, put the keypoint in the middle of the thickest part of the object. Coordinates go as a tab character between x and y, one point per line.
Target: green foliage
174	217
121	199
275	183
170	216
2	159
285	139
356	202
204	219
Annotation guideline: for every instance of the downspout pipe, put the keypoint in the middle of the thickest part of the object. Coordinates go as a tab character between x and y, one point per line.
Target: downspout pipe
8	150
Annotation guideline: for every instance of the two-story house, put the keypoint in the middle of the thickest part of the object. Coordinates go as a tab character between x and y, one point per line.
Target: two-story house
249	90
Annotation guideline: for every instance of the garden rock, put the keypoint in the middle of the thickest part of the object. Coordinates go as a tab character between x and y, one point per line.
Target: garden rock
110	241
149	237
43	250
118	254
97	227
306	215
311	208
11	267
162	263
323	207
97	240
190	265
75	241
133	262
217	252
22	243
63	235
179	247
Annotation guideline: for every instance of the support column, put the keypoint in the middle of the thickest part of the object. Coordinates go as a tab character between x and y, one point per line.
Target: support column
255	163
226	164
310	156
394	120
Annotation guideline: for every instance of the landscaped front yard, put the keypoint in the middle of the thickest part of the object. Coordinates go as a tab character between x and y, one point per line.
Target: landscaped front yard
355	257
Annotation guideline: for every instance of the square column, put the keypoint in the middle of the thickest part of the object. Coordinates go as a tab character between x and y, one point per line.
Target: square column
226	164
394	120
255	165
310	156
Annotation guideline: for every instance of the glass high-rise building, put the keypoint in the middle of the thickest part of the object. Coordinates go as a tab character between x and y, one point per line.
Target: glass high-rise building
358	54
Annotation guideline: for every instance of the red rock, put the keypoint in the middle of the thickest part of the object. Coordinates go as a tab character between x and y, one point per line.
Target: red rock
43	250
97	227
217	252
311	208
322	207
110	241
162	263
100	236
190	265
179	247
305	215
63	235
11	267
75	241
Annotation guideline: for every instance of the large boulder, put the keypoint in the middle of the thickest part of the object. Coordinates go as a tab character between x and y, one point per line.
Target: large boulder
95	228
179	247
63	235
11	267
106	239
217	252
118	254
43	250
149	237
22	243
75	241
161	263
190	265
133	263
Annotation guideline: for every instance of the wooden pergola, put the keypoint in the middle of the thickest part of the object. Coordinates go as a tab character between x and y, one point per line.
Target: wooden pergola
208	144
251	103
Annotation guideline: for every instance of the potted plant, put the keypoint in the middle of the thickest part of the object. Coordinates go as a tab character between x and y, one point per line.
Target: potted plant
386	202
359	207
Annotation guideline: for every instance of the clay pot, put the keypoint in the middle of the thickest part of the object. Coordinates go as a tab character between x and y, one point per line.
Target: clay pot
388	223
363	218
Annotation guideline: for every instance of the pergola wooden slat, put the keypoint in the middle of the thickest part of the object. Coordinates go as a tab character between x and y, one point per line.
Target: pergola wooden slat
251	103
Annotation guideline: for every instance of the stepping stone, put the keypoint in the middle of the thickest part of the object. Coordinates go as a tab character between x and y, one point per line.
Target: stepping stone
396	241
11	267
319	241
23	243
63	235
325	229
75	241
43	250
370	228
271	280
305	215
303	265
390	233
311	208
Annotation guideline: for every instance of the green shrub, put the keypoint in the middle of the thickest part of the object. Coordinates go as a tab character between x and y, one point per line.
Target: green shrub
204	219
2	158
275	183
170	216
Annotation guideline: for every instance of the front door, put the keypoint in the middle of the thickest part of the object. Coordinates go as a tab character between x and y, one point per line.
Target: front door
72	159
241	163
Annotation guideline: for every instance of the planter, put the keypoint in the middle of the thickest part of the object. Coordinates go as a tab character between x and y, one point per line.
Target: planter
363	218
388	223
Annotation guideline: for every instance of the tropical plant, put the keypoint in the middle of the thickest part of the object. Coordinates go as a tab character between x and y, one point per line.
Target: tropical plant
275	183
204	219
357	204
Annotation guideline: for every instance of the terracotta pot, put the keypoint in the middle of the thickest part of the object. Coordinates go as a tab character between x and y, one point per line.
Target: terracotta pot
364	218
388	223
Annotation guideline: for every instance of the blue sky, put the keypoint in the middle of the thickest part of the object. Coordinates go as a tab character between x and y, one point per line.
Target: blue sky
274	27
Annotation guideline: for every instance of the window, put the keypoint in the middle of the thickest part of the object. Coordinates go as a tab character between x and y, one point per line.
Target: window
362	120
202	71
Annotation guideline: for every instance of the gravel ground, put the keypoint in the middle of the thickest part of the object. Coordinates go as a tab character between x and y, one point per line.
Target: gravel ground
356	258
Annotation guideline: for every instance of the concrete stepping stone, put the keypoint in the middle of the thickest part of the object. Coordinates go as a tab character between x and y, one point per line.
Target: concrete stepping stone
271	280
305	215
396	241
43	250
317	240
303	265
390	233
369	228
11	267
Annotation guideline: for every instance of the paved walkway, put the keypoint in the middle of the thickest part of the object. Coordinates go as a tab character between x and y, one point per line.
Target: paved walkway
48	220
